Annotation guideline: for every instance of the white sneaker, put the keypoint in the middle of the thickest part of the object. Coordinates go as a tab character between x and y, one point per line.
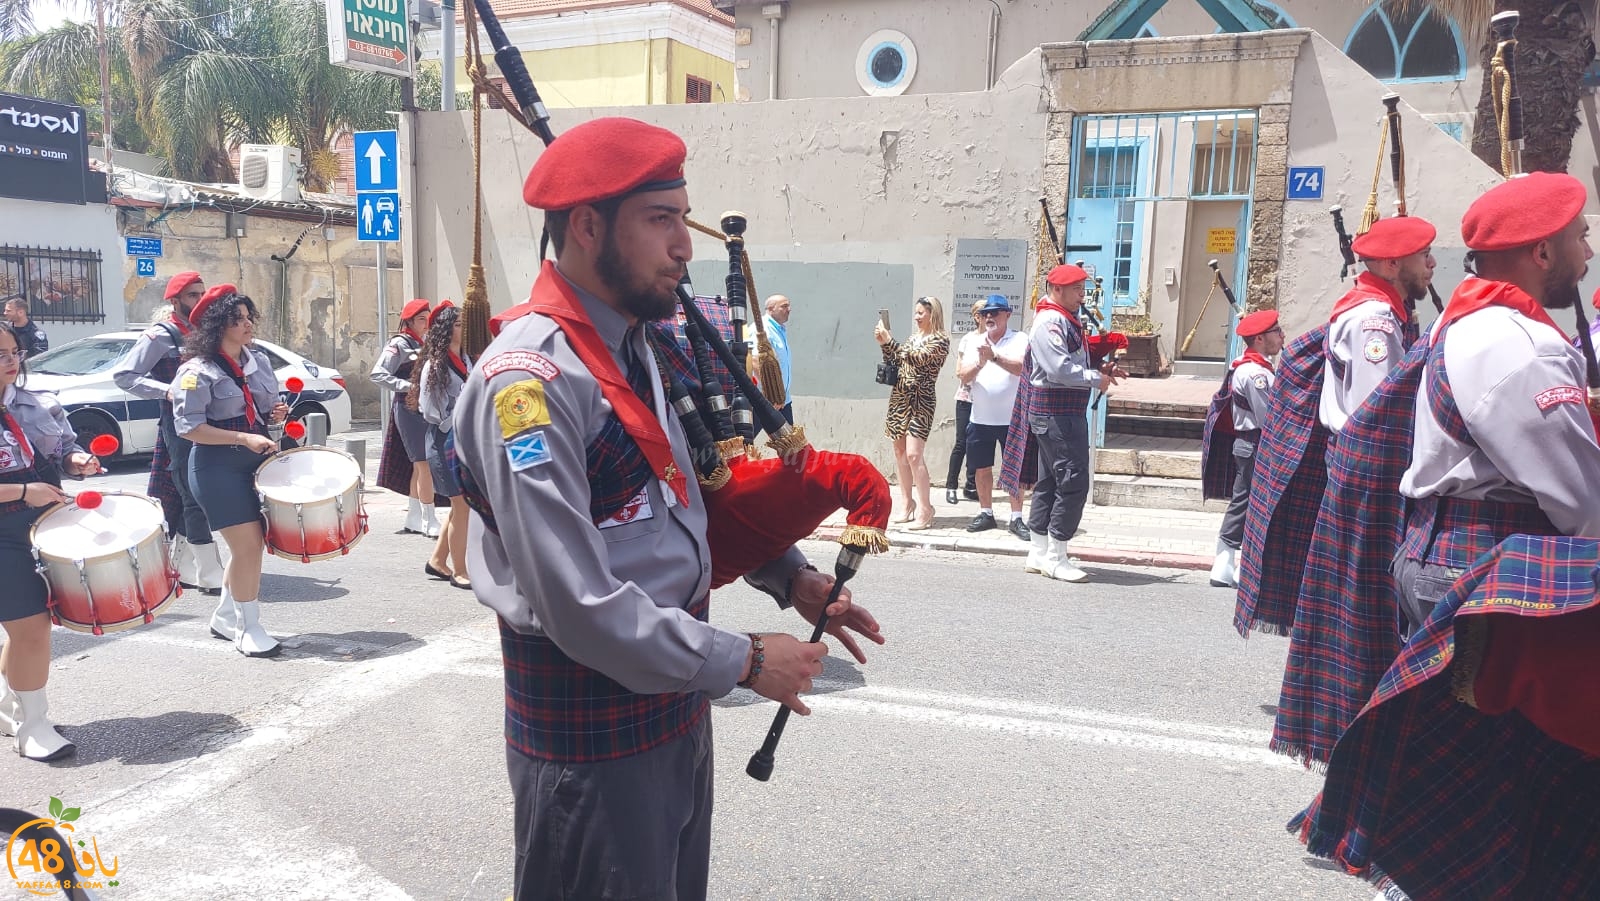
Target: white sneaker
1040	542
37	737
250	639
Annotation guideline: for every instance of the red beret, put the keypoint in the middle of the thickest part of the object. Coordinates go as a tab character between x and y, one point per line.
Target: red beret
604	158
1524	210
1258	323
212	293
433	314
1391	239
1066	274
177	283
413	308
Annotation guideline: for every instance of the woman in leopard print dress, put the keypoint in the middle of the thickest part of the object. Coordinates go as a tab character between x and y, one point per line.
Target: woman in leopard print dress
911	404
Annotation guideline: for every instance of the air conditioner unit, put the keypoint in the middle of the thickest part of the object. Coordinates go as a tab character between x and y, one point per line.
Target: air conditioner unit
270	172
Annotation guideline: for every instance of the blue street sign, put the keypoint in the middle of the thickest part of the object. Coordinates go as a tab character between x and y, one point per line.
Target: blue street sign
377	161
378	216
147	267
1305	183
142	247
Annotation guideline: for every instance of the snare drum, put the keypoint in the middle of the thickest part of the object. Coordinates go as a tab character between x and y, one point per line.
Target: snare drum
311	498
108	568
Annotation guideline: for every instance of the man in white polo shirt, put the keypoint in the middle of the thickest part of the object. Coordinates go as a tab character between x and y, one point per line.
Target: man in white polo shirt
994	367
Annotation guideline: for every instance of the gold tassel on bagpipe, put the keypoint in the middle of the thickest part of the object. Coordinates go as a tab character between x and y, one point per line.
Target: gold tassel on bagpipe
763	361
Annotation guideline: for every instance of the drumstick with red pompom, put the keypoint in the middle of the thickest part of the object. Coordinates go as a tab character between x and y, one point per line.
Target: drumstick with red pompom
89	464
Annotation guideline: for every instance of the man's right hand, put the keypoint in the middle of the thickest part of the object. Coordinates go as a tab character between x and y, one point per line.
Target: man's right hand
788	668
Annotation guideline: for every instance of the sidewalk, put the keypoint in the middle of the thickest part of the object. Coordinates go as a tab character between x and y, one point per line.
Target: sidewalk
1173	539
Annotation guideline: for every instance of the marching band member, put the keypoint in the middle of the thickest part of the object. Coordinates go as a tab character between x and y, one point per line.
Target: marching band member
443	371
1251	388
403	467
37	445
223	396
147	372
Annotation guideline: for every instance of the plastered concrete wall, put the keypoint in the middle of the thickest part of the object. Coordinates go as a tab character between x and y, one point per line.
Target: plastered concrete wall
853	205
65	226
331	313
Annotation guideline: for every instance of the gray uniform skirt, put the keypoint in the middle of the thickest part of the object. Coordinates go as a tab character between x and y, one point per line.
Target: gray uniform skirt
223	478
25	593
444	475
413	431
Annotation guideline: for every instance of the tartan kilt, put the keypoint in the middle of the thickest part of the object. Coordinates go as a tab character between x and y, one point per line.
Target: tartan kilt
1217	466
162	488
1445	801
1346	627
1291	473
1019	455
394	467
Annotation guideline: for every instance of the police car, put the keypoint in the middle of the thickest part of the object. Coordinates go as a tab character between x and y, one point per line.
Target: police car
79	373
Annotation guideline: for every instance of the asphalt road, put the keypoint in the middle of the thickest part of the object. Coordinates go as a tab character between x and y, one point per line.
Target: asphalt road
1016	739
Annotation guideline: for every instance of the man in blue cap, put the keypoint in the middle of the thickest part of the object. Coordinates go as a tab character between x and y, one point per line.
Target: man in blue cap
993	366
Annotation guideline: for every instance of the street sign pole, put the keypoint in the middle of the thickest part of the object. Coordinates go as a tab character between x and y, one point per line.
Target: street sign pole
383	326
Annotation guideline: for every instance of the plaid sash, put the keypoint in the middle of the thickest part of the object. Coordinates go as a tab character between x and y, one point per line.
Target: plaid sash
1345	633
1019	454
1217	465
1449	803
1286	492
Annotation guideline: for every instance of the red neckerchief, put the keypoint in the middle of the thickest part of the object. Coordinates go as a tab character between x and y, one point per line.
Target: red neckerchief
1253	356
1476	294
244	385
22	439
406	330
459	365
1046	304
1373	285
553	297
183	324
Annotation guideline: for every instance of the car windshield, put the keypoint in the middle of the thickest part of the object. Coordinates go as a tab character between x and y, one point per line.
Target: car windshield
85	356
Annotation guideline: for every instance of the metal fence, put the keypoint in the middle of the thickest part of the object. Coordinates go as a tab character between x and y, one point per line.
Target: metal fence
59	285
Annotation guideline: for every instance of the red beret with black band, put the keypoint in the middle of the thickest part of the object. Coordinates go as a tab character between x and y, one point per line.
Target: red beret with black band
602	158
177	283
212	293
1066	274
1391	239
1522	211
412	308
1258	323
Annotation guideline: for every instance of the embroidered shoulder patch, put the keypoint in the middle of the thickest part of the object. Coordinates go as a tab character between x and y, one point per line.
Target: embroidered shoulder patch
189	382
1261	382
520	406
528	451
1376	350
1561	394
520	361
1378	324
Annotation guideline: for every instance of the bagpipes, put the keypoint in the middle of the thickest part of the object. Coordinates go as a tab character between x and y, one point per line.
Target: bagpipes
757	507
1105	346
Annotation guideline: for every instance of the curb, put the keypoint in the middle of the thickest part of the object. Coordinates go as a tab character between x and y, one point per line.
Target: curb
1159	559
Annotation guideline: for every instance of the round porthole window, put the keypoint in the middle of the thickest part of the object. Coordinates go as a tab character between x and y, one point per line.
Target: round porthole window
886	63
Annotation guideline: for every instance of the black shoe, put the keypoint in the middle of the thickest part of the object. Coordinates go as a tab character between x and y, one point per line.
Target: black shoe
1020	529
983	522
950	497
970	494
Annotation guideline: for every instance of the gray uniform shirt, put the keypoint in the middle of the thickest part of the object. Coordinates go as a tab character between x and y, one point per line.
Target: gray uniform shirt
1520	386
1253	382
203	390
132	372
440	413
399	351
1366	341
611	596
1054	360
45	425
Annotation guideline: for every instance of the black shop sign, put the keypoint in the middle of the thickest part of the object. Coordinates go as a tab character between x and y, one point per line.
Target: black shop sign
44	150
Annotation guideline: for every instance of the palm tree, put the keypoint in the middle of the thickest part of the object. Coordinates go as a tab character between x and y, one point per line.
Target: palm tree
1555	46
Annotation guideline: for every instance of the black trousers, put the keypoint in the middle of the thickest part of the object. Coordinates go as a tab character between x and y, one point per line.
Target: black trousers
1063	486
1420	587
959	452
194	526
1244	457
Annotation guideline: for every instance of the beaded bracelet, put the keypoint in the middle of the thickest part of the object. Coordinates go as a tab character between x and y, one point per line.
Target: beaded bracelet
755	661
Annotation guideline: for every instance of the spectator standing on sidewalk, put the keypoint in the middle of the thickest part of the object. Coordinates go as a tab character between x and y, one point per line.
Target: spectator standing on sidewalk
958	450
778	337
993	364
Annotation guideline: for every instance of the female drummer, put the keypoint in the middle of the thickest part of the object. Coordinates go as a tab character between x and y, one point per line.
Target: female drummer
395	370
223	397
36	445
443	372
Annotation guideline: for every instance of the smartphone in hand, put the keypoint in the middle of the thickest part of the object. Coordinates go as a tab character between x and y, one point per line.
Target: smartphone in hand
883	319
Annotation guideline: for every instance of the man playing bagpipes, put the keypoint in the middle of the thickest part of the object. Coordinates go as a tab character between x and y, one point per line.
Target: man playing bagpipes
1247	391
591	541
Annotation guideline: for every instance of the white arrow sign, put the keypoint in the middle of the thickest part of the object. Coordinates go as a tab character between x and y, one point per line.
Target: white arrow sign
375	157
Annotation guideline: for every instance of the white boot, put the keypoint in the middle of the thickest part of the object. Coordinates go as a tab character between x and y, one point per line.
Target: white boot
251	640
184	562
1036	555
1058	566
208	565
1225	568
225	619
414	516
37	738
10	713
430	522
